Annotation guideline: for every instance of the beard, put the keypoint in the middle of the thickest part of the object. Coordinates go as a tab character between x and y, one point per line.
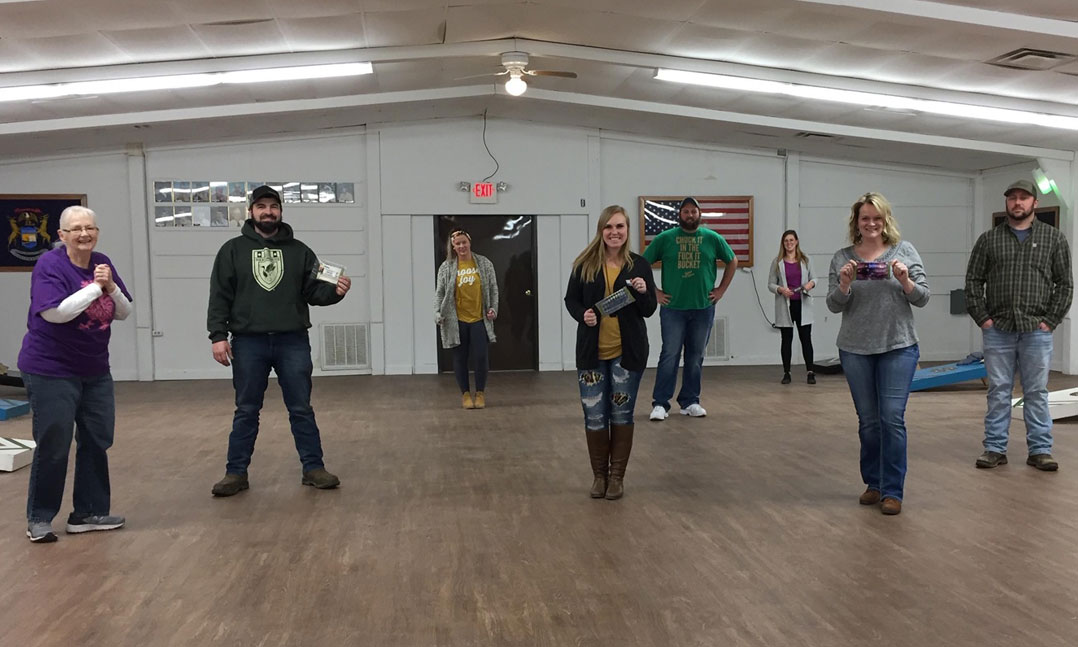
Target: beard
688	226
1019	214
267	226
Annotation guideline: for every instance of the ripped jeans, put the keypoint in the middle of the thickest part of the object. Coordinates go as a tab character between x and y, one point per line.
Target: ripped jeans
608	394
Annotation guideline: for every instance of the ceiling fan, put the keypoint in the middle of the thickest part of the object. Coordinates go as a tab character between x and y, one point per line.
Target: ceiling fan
515	64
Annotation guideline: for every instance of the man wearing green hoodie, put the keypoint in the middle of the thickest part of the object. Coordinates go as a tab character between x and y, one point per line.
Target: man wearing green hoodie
262	284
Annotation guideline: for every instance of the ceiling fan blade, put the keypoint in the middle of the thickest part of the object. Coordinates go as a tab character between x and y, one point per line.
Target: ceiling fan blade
564	75
479	76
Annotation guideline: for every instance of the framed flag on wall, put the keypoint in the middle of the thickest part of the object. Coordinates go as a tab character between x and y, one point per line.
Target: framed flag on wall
31	224
728	215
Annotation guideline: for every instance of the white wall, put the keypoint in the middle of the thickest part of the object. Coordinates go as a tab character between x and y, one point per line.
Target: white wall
407	173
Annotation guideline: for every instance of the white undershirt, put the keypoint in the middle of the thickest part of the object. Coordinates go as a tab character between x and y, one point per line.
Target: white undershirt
77	303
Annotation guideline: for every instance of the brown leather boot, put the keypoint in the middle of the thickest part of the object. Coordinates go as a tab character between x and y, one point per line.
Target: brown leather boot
621	445
466	400
599	451
480	400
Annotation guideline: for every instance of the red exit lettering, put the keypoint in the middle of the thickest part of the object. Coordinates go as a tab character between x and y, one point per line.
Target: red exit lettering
483	189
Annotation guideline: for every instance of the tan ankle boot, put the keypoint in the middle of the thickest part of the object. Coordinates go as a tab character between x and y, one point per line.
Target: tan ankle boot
599	451
466	400
621	445
480	401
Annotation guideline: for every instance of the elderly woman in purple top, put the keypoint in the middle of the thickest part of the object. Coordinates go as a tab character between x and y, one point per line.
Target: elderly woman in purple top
75	294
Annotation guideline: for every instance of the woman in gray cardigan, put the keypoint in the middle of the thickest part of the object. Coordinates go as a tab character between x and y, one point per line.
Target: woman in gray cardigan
873	283
790	280
465	307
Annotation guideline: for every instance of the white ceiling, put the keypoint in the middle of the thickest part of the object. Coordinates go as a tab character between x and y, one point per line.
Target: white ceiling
421	49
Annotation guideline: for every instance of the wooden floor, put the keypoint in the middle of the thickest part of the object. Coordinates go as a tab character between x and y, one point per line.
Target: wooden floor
461	528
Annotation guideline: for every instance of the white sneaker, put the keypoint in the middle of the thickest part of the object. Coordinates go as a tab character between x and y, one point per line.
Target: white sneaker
658	413
694	410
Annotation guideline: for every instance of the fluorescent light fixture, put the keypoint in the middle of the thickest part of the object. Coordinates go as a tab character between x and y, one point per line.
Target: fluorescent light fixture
515	85
870	99
1044	185
181	81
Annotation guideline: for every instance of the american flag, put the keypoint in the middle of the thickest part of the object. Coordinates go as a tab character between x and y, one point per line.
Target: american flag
729	216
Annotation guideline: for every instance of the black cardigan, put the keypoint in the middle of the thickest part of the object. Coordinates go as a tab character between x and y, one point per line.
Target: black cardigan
581	295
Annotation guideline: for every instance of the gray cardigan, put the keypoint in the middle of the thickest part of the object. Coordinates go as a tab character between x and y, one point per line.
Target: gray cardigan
776	280
876	315
445	298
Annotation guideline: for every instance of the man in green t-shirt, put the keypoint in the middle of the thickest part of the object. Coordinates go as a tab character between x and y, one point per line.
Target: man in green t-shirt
688	253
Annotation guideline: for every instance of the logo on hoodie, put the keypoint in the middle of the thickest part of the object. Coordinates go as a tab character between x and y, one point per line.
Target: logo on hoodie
268	267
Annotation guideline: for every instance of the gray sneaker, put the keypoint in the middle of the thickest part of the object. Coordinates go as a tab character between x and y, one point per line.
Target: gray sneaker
320	478
40	532
90	522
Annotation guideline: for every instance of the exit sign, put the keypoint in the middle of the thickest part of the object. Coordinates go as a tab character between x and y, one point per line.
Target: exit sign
483	193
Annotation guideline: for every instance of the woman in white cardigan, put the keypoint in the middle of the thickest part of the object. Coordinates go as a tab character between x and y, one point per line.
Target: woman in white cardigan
791	279
465	307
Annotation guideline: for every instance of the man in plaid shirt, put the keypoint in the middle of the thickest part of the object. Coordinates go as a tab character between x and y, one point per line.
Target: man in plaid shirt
1018	289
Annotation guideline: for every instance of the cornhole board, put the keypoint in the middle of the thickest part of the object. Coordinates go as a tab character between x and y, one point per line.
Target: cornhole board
15	453
1061	404
933	376
12	408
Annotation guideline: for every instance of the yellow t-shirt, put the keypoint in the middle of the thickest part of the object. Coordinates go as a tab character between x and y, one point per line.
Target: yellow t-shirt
609	330
469	293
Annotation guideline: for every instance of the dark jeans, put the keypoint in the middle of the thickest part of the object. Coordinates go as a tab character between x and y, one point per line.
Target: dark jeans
804	333
688	329
880	386
608	394
289	355
473	343
66	407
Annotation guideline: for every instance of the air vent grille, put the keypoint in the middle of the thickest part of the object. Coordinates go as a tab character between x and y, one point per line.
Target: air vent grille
1032	59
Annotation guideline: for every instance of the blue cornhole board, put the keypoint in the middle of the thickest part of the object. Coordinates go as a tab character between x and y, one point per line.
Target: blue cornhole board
11	408
933	376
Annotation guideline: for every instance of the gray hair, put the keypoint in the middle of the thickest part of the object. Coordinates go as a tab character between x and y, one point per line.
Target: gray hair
75	210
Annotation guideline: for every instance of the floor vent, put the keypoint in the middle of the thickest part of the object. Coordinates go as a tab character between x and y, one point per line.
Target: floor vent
345	347
718	345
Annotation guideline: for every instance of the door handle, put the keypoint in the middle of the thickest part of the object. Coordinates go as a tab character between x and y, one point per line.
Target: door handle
528	292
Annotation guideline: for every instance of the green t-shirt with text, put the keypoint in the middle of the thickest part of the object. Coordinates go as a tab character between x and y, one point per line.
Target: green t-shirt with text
688	271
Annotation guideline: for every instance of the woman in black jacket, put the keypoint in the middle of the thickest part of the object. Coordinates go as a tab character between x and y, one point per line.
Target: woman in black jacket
611	351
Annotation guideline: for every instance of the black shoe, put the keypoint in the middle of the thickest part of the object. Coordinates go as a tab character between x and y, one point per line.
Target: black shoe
1043	462
785	378
320	478
988	460
231	484
812	378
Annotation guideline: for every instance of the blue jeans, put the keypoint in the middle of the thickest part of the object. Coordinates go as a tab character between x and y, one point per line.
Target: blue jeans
1031	354
688	329
289	355
880	386
66	407
473	342
608	394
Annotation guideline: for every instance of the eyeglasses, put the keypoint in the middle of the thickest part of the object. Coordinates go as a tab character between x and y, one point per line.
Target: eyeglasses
78	231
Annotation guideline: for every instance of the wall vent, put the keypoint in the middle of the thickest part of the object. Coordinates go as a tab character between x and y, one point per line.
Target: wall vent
345	347
1032	59
718	345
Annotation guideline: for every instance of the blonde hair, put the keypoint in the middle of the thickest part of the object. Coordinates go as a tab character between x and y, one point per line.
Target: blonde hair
800	255
590	260
451	253
891	235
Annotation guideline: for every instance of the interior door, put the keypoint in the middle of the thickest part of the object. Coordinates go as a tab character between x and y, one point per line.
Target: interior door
509	243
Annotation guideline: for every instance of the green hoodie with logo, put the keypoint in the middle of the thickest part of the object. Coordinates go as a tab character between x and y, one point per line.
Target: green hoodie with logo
264	285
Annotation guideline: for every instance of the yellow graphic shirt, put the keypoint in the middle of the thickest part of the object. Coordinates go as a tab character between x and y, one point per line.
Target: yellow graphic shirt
609	330
469	293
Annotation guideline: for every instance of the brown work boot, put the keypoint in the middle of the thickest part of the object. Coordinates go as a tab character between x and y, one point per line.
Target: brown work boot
870	497
599	451
320	478
466	400
230	484
1043	462
480	401
621	445
988	460
891	505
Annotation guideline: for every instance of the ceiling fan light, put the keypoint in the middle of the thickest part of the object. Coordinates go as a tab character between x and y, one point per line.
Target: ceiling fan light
515	85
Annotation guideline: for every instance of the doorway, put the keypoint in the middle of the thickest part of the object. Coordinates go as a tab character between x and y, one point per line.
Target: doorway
509	242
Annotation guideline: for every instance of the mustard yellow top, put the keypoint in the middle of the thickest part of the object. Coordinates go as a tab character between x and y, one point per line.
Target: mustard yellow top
469	293
609	330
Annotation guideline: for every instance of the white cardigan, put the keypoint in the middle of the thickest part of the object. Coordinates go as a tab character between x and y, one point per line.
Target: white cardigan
776	279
